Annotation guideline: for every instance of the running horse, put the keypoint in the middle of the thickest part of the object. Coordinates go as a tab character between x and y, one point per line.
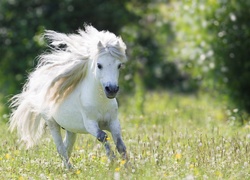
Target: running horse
73	87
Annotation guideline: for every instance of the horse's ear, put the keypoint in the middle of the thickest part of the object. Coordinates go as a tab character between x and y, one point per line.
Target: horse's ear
117	44
100	45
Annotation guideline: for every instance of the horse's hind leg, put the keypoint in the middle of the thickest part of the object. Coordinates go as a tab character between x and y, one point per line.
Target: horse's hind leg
61	149
69	141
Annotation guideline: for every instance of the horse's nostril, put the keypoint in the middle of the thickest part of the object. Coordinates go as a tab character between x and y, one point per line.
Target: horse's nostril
107	89
116	89
112	89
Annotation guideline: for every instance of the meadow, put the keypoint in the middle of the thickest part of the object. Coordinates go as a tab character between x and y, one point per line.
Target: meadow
168	136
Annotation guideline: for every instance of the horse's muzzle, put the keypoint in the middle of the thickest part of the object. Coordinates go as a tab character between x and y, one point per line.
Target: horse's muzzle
111	91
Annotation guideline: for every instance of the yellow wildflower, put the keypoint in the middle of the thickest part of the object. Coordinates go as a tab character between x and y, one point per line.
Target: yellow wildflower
123	162
78	172
117	169
7	156
104	159
219	174
178	156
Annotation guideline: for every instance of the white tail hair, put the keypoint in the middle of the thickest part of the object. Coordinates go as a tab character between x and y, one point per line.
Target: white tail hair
27	121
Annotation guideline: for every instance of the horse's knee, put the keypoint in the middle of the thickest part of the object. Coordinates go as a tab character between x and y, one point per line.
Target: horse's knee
102	136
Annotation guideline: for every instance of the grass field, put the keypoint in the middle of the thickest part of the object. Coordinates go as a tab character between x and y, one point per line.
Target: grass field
168	136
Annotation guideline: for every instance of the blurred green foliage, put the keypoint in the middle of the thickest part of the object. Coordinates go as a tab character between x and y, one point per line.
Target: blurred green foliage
179	45
231	37
212	45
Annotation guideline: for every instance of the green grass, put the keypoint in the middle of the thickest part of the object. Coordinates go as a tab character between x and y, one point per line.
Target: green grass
176	137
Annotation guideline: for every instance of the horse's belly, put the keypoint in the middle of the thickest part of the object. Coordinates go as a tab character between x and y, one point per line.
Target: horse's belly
71	122
70	119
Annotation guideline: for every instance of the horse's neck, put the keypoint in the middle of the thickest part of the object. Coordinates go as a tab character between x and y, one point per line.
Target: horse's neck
92	88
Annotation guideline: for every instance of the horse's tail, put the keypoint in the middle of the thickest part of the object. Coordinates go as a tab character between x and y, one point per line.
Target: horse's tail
28	122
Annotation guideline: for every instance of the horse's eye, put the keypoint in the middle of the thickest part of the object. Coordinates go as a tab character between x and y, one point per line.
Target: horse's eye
99	66
119	66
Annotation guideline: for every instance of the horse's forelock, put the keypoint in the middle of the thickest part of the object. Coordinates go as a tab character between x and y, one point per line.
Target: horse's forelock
115	49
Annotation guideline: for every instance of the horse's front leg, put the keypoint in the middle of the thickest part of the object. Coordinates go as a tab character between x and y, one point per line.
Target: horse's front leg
93	128
115	130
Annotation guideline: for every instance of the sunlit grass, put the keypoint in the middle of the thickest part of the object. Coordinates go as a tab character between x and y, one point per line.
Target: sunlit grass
176	137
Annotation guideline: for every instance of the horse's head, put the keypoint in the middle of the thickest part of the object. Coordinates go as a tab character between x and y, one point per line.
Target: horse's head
107	71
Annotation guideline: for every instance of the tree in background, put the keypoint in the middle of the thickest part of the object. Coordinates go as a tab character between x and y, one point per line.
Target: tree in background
149	40
231	45
211	44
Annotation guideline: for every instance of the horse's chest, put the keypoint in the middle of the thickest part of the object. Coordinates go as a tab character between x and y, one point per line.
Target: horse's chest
104	112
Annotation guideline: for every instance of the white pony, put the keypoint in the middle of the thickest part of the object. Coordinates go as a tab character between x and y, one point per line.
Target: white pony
73	87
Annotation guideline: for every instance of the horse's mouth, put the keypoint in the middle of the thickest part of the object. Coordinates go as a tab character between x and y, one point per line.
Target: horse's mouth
111	96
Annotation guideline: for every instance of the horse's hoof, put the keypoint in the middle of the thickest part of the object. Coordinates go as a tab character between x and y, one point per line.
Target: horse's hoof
127	164
125	159
68	165
112	158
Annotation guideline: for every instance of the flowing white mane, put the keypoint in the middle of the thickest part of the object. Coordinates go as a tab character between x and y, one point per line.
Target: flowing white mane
59	71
